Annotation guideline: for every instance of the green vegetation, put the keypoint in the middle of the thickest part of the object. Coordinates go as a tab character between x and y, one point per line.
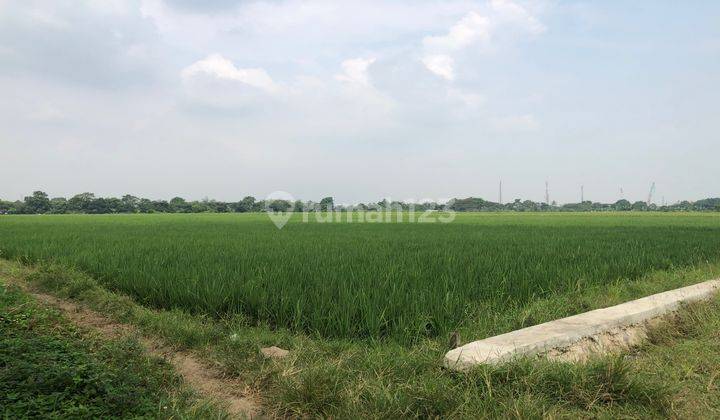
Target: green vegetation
396	281
50	369
672	376
86	203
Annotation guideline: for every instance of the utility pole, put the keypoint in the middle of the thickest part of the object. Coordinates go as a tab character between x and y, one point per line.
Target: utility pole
582	193
500	193
547	193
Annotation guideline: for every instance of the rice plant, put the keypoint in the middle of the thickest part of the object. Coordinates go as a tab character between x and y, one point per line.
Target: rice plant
397	281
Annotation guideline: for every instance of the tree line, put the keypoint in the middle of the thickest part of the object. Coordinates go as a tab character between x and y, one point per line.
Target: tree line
40	203
478	204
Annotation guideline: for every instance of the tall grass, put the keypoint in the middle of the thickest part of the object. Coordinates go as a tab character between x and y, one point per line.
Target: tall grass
401	281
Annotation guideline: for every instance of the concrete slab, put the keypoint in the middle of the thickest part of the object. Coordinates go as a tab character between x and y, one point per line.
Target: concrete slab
565	332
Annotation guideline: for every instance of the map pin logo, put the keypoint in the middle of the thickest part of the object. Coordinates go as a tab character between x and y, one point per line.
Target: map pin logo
279	207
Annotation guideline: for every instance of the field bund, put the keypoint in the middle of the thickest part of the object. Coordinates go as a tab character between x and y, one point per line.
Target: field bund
565	332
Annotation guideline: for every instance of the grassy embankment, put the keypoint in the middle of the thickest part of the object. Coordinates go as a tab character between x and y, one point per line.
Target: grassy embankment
49	368
673	375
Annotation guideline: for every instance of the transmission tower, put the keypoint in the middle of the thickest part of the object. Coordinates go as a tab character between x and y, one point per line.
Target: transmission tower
650	194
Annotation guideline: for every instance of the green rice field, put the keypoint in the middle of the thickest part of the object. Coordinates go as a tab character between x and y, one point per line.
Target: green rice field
396	281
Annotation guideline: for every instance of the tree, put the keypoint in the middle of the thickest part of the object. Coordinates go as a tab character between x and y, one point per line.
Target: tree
199	207
327	204
529	205
6	207
477	204
707	204
311	206
18	207
179	205
161	206
219	206
98	206
58	205
622	205
684	205
258	206
81	202
115	205
245	205
130	203
37	203
280	205
145	206
639	206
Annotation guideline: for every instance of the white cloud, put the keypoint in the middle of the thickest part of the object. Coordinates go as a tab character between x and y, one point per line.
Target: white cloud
518	15
351	81
474	28
440	64
355	71
220	67
471	28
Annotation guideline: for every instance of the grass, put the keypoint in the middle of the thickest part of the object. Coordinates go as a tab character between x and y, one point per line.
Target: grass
560	265
50	369
401	282
672	376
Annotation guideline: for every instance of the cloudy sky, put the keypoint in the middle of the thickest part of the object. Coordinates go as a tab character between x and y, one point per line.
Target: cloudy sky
407	99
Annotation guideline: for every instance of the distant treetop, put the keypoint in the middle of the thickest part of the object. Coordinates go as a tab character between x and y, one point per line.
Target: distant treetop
39	203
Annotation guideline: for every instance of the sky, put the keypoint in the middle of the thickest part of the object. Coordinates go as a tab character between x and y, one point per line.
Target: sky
360	100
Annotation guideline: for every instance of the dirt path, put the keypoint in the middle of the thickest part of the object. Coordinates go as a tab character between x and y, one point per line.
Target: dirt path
207	381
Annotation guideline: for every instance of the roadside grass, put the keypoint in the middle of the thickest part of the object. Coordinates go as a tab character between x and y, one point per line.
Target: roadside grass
51	369
347	379
685	351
